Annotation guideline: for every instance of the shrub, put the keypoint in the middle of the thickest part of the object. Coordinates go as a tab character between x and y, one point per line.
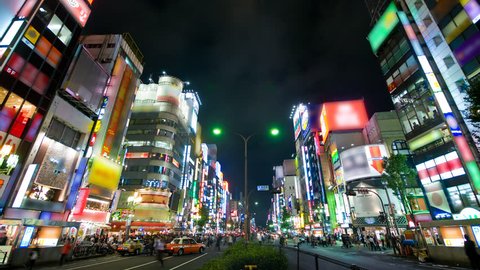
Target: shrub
239	255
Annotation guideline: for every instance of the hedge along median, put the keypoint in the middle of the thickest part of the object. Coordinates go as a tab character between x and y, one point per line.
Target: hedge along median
239	255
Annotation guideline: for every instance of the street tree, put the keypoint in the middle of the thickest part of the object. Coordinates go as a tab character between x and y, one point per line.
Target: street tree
203	217
286	219
473	97
399	176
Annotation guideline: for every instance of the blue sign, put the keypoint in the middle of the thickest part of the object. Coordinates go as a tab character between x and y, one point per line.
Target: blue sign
27	236
453	124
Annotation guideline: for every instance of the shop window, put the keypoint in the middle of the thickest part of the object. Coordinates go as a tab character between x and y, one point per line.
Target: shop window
452	236
9	111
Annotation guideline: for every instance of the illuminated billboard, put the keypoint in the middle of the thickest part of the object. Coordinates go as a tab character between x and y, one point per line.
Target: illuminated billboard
440	168
364	161
105	173
298	120
78	9
383	27
342	115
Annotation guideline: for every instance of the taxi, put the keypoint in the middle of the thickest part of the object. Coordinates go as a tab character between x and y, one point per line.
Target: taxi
184	245
131	247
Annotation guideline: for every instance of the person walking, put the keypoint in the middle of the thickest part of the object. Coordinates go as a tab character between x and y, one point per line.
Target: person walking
65	251
471	253
160	248
32	257
219	242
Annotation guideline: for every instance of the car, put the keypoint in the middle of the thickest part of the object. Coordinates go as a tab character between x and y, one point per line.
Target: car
131	247
184	245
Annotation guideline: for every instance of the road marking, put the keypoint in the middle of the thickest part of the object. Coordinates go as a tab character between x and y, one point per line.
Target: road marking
188	262
138	266
93	264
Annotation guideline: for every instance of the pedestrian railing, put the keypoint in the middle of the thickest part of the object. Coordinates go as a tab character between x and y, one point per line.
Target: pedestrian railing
318	257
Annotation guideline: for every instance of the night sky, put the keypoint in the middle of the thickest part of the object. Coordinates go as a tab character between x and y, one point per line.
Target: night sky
250	61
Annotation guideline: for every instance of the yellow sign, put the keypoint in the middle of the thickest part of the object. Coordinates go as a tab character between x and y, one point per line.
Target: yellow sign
98	125
32	35
105	173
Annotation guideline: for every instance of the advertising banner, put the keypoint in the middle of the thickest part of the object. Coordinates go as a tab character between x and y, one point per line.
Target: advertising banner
105	173
364	161
384	27
78	9
468	50
81	201
342	115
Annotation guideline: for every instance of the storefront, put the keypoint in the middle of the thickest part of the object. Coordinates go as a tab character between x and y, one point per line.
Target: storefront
48	235
9	230
445	239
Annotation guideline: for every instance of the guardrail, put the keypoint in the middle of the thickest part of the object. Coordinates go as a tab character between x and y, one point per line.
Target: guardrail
318	257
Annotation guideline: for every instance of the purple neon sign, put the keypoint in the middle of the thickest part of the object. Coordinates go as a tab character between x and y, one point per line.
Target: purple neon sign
468	50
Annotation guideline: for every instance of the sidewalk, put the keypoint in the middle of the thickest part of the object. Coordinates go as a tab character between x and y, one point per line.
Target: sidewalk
362	256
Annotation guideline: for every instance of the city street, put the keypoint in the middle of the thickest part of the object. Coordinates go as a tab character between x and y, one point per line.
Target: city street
188	262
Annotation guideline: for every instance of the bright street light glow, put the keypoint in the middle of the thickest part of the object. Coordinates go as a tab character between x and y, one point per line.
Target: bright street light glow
217	131
256	203
274	131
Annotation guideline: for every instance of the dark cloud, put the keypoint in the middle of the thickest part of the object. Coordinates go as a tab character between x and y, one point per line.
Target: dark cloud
251	60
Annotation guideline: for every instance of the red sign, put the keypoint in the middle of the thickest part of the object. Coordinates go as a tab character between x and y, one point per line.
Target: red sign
137	155
342	115
81	201
91	216
78	9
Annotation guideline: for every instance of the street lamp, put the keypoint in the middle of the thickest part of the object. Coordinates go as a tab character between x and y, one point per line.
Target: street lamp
273	132
132	202
256	203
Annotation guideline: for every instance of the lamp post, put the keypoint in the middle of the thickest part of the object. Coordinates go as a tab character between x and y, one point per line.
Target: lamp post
246	139
132	202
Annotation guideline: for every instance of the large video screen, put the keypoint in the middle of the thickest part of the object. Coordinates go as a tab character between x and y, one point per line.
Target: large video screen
363	162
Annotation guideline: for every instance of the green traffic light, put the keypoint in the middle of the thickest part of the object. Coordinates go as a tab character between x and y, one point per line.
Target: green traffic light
217	131
274	131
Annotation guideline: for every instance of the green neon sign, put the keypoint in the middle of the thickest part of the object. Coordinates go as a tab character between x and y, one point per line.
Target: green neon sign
474	172
383	27
425	139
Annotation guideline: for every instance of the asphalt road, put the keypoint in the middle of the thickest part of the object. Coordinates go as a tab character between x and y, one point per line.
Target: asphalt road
140	262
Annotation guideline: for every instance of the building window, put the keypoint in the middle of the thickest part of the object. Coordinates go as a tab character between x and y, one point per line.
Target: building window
437	40
62	133
448	61
60	30
462	196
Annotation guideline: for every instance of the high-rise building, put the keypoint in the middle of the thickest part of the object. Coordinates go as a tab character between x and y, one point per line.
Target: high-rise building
158	159
99	172
309	172
428	52
43	133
